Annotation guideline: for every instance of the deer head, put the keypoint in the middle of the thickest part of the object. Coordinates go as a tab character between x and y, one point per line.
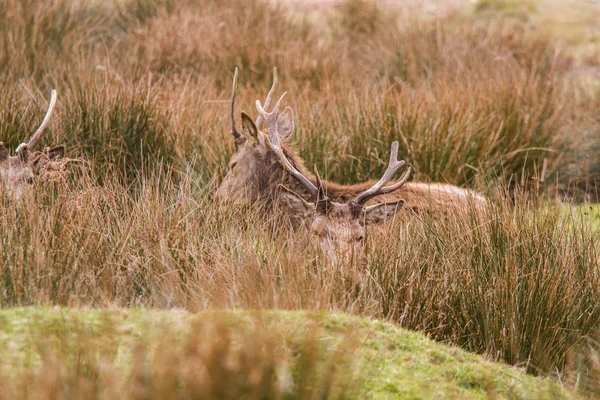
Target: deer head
338	226
17	172
245	180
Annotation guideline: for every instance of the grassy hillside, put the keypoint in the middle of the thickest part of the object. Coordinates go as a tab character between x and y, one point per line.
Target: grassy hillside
311	354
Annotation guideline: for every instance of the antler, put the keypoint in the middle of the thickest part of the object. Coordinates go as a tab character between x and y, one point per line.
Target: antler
275	145
39	131
379	188
236	134
268	99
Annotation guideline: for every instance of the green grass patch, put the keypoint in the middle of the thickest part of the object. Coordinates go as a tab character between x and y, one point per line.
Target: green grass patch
586	214
382	360
513	8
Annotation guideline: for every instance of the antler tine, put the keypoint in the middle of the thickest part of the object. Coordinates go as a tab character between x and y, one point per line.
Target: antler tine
380	188
46	120
236	134
275	145
270	117
398	184
269	95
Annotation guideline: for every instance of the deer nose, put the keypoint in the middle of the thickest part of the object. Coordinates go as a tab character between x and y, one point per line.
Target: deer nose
30	180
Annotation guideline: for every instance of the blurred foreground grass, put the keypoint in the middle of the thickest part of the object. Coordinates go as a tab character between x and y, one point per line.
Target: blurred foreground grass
69	352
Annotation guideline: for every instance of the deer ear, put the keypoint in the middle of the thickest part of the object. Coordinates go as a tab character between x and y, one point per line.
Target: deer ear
379	213
285	124
56	152
296	205
3	153
249	128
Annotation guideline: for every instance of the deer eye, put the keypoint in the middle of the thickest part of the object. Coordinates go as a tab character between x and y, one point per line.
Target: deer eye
359	239
233	165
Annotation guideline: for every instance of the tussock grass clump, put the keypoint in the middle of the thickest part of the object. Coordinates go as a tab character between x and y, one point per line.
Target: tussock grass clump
580	179
120	133
38	36
213	356
492	116
508	284
252	35
359	17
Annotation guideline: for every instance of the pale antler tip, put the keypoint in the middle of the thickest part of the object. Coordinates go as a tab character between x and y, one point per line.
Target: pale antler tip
279	102
259	107
395	146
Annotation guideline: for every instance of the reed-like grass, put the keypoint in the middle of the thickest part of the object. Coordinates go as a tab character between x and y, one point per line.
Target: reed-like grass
518	284
468	98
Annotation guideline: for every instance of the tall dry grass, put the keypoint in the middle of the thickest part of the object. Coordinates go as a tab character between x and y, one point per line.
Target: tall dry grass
142	97
468	99
519	285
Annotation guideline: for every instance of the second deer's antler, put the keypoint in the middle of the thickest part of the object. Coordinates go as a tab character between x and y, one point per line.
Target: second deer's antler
36	136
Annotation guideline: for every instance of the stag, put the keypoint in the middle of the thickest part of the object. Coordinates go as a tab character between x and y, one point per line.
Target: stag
338	225
256	171
18	172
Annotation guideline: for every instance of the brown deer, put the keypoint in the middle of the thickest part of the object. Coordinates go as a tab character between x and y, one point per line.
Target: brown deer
338	225
18	172
253	166
265	169
256	172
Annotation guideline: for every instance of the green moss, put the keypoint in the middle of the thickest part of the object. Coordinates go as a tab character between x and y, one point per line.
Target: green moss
514	8
391	362
583	216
